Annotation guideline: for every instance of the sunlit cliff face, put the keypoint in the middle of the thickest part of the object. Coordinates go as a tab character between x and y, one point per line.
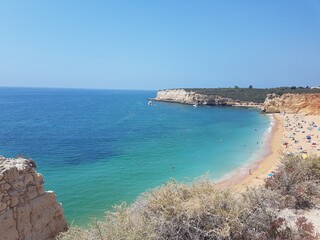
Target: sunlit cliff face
293	103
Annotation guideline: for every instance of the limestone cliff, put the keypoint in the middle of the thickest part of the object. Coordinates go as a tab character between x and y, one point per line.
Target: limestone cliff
292	103
27	211
182	96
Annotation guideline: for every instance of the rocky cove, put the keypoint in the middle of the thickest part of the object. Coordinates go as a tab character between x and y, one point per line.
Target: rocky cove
27	211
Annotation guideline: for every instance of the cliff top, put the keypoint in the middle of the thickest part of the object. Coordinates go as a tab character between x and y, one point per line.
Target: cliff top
257	95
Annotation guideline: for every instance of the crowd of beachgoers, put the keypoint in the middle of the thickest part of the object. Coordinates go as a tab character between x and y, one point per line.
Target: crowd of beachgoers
301	135
292	134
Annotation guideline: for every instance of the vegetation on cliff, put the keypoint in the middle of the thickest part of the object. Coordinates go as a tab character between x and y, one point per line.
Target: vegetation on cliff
202	210
257	95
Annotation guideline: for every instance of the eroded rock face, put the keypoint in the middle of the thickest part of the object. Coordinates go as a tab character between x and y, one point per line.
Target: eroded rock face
182	96
27	211
271	104
293	103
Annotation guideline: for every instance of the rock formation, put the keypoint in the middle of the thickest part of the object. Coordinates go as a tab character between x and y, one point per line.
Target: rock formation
292	103
182	96
304	103
27	211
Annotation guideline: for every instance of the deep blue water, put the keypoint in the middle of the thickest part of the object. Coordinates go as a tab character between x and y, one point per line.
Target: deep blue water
97	148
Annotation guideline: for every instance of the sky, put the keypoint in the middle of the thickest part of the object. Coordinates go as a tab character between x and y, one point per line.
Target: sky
159	44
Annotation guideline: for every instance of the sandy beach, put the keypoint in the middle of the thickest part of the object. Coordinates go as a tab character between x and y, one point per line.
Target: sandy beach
291	134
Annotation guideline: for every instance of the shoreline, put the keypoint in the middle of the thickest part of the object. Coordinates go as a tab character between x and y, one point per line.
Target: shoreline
265	164
291	134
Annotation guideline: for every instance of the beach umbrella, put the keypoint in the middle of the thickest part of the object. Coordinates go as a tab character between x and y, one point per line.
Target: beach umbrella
304	156
319	128
309	137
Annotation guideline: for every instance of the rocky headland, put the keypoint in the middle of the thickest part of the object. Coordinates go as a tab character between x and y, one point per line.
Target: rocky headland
27	211
302	103
191	98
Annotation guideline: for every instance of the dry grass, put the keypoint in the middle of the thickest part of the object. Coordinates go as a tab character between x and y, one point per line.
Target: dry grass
199	211
204	211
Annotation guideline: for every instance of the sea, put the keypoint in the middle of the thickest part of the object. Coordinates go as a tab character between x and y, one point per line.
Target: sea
100	148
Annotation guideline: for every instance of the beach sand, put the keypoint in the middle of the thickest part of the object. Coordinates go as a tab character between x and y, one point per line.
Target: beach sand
288	136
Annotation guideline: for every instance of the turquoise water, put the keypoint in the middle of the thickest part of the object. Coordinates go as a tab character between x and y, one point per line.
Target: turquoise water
97	148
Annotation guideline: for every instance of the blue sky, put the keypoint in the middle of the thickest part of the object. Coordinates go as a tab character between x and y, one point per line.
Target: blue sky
159	44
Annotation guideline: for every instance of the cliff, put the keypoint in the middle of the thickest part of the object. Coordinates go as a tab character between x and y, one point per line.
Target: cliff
292	103
302	103
27	211
190	97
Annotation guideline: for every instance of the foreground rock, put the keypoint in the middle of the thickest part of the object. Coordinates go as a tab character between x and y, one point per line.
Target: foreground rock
27	211
182	96
307	104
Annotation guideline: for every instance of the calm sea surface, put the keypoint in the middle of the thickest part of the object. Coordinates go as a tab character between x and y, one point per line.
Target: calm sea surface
97	148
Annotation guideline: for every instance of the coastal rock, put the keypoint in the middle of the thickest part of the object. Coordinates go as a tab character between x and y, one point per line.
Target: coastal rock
307	104
26	210
271	104
182	96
